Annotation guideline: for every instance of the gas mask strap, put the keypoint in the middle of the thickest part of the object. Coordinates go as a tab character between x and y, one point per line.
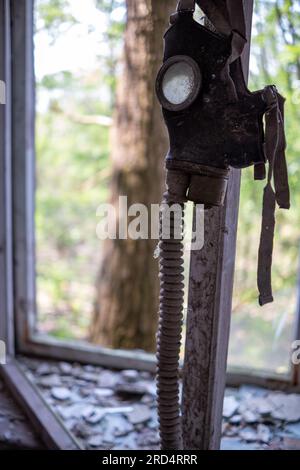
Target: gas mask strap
186	5
238	27
259	171
228	23
281	183
183	6
225	23
215	10
275	146
220	13
217	13
265	251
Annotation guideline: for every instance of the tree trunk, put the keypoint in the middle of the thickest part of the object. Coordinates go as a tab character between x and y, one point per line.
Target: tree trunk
126	305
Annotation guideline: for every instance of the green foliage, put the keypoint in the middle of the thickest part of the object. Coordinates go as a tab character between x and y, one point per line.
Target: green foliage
112	36
54	16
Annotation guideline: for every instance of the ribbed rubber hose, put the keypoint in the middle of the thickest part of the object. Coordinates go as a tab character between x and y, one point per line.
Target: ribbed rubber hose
170	326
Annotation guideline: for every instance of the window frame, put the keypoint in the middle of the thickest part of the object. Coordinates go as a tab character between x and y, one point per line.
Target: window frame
46	424
27	340
17	259
6	260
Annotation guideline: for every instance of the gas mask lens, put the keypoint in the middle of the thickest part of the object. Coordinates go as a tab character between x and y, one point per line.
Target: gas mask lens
178	83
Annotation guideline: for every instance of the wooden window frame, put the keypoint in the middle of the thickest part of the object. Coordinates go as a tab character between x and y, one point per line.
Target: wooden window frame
28	341
48	426
17	259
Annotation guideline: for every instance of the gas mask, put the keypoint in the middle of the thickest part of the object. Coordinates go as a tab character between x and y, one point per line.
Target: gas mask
214	123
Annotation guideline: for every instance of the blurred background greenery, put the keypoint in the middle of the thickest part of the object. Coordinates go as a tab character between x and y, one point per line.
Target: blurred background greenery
77	47
77	53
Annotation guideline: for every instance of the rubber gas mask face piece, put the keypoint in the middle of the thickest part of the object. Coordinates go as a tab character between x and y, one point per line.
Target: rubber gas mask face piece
210	124
213	120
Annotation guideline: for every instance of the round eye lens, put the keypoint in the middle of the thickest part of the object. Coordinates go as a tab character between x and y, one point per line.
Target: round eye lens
178	82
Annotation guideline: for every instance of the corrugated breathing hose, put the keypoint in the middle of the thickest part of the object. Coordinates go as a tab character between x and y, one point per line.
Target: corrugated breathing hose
171	309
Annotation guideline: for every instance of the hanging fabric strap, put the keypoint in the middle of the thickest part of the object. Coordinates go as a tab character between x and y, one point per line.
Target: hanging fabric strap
277	171
217	11
281	184
186	5
183	6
